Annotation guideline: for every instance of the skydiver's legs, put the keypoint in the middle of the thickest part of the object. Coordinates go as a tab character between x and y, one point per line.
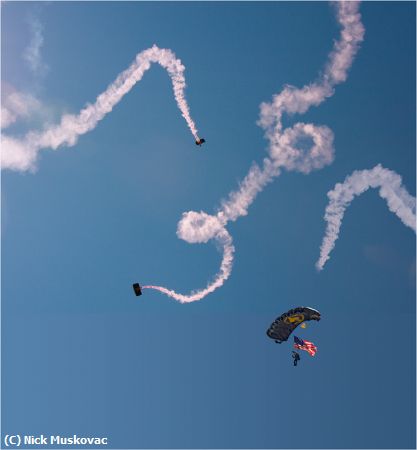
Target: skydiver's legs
296	357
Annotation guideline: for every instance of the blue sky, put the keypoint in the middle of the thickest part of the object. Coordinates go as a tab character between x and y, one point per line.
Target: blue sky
81	354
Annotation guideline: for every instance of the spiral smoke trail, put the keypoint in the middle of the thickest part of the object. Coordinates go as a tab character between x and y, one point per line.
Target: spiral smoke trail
399	201
200	227
21	154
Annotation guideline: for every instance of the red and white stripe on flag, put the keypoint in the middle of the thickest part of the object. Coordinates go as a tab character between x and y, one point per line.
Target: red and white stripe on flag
308	347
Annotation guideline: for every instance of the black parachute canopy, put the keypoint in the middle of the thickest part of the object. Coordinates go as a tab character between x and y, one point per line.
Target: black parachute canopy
284	325
137	289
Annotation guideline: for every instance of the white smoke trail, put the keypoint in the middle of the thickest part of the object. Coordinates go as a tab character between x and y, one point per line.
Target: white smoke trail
21	154
224	240
283	151
32	53
399	201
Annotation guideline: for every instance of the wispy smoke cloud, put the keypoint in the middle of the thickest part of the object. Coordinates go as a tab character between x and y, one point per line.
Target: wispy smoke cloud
21	153
32	53
16	106
399	201
284	150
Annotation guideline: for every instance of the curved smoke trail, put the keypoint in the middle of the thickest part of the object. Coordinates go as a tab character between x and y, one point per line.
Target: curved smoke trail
399	201
200	227
21	154
223	238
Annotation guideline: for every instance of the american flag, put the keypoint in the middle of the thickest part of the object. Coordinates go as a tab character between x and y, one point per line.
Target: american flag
305	345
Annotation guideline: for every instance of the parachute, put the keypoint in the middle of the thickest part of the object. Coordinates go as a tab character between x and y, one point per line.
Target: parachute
284	325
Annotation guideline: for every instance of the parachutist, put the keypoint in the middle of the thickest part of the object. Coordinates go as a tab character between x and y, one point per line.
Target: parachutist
137	289
296	357
200	141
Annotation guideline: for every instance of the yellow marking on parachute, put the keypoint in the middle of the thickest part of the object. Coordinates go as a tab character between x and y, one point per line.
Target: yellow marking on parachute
294	319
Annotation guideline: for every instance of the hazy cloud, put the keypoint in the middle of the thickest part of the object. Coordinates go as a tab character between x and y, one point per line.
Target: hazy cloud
32	53
16	106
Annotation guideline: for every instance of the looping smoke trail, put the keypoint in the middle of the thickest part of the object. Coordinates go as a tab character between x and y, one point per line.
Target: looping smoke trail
399	201
284	149
21	154
224	239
